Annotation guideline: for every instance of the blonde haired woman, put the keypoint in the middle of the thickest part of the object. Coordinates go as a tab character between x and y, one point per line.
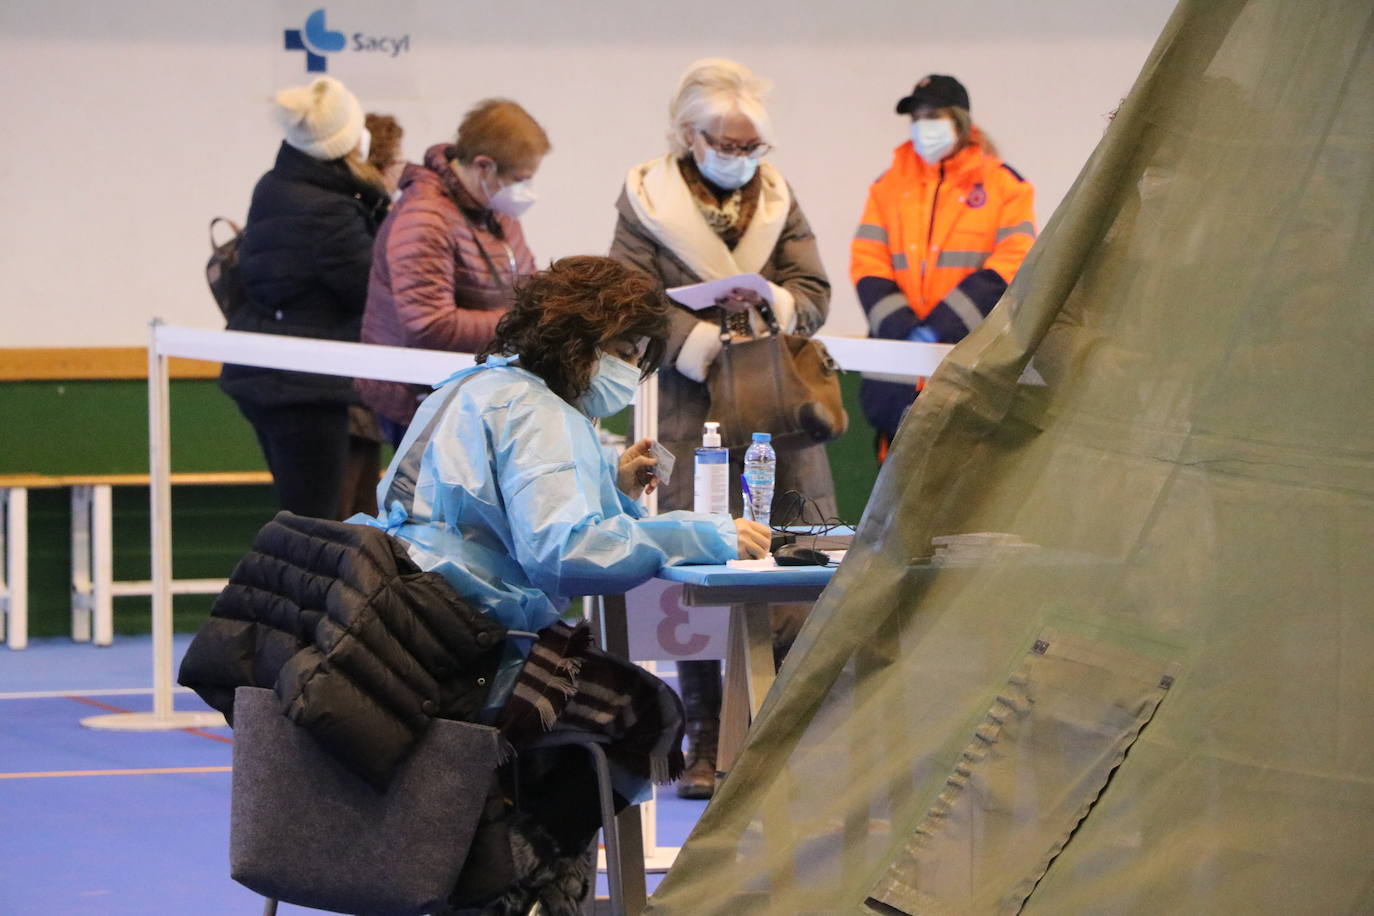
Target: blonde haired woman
304	259
713	207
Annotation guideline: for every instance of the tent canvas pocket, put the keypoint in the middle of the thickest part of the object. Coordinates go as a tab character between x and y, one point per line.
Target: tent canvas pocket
1033	769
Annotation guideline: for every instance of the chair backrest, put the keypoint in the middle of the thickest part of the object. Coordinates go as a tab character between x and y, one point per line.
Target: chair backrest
305	830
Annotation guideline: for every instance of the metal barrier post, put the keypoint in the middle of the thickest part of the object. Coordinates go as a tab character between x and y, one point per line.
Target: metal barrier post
163	717
14	622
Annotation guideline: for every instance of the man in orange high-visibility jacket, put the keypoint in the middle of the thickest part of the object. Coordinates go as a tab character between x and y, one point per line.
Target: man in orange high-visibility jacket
944	231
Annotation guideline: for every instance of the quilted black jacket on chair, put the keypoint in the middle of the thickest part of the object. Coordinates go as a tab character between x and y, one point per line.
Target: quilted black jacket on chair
362	648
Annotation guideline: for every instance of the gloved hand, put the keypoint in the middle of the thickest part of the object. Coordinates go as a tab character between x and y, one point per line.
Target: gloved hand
739	299
635	475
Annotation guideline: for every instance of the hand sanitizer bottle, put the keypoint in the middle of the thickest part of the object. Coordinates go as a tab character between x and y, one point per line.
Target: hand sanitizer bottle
711	483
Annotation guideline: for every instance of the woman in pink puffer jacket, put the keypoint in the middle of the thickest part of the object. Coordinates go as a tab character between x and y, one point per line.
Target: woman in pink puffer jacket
451	248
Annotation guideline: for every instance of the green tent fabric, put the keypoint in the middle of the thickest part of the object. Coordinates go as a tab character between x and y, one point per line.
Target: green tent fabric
1106	644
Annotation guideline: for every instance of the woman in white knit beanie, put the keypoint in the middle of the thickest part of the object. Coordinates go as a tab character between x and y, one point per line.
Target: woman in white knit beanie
305	259
323	119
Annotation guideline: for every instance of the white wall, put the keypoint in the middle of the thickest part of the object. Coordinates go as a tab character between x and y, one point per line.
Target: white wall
130	125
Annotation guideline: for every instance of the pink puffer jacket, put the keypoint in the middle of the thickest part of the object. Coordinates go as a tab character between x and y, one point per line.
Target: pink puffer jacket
431	285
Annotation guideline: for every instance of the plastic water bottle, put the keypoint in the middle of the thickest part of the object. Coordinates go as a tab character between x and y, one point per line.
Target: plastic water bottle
760	473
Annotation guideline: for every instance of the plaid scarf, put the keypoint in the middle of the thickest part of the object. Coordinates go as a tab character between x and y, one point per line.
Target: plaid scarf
568	683
728	212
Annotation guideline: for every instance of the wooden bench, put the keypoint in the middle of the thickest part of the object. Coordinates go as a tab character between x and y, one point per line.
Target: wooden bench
93	588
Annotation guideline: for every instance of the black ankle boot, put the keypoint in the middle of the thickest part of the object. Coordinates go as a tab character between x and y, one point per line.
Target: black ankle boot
699	682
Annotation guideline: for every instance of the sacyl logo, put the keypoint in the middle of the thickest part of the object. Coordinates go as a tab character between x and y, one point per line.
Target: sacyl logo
317	40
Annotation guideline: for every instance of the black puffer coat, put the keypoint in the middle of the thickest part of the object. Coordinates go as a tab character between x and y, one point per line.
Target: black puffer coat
362	648
304	259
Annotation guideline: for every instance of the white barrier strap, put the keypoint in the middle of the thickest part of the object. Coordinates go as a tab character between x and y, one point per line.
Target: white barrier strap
426	367
890	357
306	354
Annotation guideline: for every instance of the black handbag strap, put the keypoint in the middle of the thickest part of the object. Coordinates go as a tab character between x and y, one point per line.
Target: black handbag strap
215	246
486	257
765	312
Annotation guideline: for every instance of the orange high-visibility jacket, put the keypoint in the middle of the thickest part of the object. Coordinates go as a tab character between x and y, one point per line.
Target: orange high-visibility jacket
939	244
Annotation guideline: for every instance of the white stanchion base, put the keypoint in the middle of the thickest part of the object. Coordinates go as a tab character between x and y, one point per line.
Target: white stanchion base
662	859
152	722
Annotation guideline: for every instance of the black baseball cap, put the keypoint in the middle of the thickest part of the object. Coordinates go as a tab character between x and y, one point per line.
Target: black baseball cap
936	91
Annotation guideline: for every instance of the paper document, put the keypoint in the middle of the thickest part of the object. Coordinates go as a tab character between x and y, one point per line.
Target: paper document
704	295
664	469
765	563
769	563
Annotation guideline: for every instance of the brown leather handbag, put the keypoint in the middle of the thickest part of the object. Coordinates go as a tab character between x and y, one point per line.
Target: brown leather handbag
782	384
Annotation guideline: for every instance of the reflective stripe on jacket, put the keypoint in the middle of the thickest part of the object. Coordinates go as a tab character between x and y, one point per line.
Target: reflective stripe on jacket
938	245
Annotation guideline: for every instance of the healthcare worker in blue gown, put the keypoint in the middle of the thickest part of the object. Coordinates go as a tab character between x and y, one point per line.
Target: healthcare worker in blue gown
501	485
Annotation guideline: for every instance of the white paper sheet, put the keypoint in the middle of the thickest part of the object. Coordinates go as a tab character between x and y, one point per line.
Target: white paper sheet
765	563
704	295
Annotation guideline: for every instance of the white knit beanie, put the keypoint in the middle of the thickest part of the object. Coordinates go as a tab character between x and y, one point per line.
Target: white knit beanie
323	119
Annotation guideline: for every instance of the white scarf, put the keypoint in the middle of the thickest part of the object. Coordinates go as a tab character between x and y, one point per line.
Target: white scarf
665	207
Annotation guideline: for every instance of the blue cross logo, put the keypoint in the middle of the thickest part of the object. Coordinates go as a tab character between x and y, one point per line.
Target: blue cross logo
316	40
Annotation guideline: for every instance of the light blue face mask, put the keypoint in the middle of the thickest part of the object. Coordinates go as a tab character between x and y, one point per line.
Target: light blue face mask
613	386
728	172
934	138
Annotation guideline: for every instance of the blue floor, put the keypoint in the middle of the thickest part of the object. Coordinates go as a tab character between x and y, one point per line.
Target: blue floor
84	831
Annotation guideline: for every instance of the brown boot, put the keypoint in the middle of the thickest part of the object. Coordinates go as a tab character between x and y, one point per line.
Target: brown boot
698	781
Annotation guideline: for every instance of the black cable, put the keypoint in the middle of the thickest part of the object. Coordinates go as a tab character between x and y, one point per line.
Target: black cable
792	512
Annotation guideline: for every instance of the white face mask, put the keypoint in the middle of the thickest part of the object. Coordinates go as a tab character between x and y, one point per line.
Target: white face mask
365	144
513	199
728	172
933	138
613	387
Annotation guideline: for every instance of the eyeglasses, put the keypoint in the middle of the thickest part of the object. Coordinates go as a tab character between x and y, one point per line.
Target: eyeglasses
753	150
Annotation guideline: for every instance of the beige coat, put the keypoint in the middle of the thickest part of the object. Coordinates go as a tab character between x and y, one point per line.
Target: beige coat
665	239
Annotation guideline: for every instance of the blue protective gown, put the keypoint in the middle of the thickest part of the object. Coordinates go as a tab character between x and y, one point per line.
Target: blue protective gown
501	486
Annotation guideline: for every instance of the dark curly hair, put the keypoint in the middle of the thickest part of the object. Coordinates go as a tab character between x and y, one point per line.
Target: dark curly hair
563	315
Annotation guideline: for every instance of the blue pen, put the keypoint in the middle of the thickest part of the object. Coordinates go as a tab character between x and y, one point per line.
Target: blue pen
748	497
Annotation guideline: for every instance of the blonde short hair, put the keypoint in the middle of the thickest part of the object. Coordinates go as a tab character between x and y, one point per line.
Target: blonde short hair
503	131
713	89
